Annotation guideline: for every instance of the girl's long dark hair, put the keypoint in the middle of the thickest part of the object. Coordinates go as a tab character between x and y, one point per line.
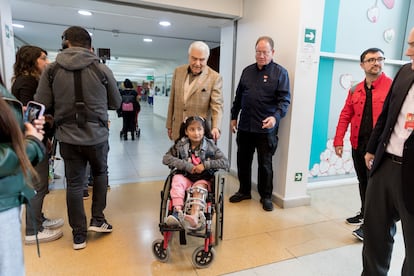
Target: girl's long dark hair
10	132
189	120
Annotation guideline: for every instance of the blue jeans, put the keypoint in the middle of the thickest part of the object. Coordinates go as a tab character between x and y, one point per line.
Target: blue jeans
11	246
76	158
265	144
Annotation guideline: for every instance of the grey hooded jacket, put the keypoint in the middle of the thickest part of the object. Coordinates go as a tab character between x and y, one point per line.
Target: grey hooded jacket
60	96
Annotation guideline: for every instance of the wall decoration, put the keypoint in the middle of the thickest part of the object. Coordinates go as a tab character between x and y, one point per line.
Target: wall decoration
389	35
345	80
330	164
373	13
388	3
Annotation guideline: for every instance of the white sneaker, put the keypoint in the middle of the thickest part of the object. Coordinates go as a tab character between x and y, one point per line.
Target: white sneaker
46	235
53	223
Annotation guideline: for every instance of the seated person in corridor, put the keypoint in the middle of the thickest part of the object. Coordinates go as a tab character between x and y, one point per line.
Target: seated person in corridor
196	158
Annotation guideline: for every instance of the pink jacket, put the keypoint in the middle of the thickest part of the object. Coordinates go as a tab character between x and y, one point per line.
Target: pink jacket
354	107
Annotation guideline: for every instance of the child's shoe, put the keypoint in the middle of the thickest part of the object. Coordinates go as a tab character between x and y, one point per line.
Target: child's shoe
175	218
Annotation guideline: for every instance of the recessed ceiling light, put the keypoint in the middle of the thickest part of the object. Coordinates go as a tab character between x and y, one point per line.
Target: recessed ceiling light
147	39
165	23
18	25
83	12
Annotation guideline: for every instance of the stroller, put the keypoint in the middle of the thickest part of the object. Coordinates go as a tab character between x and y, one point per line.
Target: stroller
211	214
136	130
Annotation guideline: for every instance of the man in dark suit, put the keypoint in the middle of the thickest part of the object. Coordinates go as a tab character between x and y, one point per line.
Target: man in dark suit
390	192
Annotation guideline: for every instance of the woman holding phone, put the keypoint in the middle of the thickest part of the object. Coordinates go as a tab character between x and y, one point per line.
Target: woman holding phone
31	61
20	146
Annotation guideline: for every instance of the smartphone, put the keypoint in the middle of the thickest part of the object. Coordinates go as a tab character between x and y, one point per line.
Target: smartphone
33	111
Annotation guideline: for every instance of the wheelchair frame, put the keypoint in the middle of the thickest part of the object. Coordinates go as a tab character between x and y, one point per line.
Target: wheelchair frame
203	255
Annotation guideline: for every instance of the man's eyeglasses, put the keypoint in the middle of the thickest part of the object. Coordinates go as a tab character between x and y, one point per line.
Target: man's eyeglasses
373	60
265	53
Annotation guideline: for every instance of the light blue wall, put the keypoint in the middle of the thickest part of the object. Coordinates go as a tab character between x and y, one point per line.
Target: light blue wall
347	32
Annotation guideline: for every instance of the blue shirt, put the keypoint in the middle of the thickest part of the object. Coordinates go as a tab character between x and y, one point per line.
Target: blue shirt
260	94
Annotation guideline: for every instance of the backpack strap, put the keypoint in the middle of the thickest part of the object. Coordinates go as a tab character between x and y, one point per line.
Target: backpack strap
79	103
99	73
81	115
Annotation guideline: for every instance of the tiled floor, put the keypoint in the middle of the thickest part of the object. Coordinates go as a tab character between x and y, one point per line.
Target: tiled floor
308	240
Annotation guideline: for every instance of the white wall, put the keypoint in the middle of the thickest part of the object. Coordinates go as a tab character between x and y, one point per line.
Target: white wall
6	43
285	21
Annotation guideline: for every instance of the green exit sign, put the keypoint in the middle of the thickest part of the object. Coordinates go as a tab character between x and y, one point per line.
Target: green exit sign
150	78
298	176
310	35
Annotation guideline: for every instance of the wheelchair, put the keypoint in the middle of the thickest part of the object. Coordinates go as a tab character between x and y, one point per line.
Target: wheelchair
210	226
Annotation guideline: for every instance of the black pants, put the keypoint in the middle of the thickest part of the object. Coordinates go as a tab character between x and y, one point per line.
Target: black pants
34	214
361	172
76	158
129	122
265	144
384	206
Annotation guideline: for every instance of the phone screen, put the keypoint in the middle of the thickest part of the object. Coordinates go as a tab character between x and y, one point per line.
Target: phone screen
32	112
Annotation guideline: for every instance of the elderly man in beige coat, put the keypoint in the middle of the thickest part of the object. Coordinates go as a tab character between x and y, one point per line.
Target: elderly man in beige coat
195	90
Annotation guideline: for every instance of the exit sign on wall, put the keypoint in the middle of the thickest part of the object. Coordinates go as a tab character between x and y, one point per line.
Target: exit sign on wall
298	176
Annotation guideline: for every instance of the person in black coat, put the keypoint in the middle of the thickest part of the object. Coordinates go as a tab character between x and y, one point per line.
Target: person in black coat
390	192
129	108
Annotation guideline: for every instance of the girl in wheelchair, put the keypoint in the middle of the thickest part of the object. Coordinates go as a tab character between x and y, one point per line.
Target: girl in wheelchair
195	157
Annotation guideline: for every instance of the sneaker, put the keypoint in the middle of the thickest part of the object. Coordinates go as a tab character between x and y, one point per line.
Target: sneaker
175	218
79	242
237	197
53	223
356	220
57	176
46	235
100	227
85	194
359	233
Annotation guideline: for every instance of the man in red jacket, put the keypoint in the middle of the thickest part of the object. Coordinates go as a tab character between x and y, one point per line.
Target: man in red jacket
362	108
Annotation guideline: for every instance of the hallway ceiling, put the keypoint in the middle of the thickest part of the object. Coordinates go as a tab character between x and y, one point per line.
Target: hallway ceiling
120	26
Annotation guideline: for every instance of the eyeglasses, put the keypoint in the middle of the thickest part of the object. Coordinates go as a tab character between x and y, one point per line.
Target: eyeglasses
373	60
265	53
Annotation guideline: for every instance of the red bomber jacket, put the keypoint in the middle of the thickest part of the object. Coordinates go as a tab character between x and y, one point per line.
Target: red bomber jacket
354	107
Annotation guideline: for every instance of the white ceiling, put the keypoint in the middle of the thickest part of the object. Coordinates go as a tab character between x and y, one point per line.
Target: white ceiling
120	26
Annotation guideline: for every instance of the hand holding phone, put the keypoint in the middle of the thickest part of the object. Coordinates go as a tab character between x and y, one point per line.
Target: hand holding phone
33	111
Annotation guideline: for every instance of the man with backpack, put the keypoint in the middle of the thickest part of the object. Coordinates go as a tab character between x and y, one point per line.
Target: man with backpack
81	90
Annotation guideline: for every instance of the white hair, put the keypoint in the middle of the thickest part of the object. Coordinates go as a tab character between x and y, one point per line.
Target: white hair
200	45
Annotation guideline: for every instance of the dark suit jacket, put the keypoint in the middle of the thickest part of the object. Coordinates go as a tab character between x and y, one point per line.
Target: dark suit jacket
381	134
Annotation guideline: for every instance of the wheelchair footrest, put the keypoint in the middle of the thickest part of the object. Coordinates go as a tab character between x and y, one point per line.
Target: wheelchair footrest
164	227
198	234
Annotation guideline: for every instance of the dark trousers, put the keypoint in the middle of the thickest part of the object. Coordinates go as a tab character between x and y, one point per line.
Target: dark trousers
129	122
265	144
34	214
76	158
361	172
384	206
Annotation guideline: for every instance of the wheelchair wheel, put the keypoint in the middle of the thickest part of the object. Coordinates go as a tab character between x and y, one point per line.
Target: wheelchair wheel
203	259
159	252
